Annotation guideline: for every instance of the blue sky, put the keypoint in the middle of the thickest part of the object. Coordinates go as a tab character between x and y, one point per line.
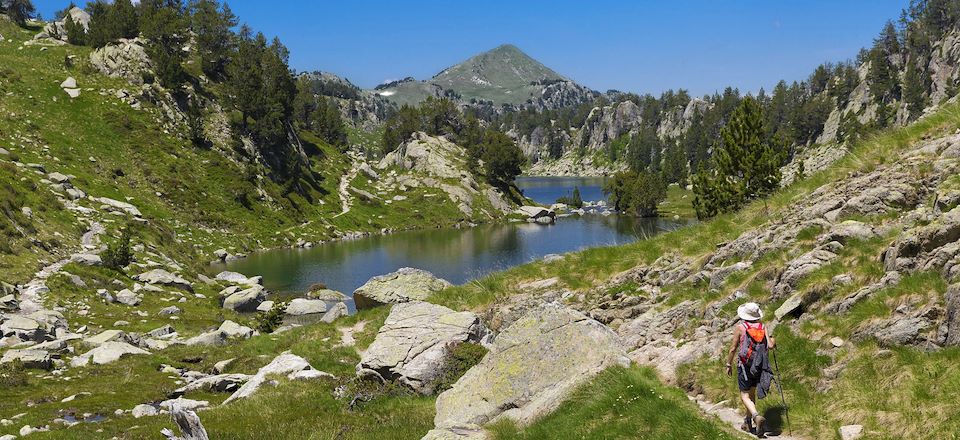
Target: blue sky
637	46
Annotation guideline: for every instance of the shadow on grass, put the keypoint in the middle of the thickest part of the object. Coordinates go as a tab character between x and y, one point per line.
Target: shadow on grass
776	416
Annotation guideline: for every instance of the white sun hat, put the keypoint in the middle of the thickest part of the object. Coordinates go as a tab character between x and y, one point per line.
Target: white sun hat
750	312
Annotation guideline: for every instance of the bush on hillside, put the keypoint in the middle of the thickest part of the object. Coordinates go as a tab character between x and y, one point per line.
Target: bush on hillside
267	322
118	254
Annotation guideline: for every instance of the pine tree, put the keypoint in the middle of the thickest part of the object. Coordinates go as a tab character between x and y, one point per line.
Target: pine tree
745	166
76	34
162	22
502	159
327	122
675	165
212	27
398	128
244	76
123	15
914	89
19	11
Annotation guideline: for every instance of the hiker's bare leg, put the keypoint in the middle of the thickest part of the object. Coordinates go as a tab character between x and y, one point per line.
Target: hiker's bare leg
745	396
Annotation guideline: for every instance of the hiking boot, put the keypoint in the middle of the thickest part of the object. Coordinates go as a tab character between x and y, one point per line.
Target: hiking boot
747	425
758	422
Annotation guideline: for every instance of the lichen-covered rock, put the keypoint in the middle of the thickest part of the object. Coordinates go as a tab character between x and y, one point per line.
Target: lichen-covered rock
162	277
531	367
406	284
413	345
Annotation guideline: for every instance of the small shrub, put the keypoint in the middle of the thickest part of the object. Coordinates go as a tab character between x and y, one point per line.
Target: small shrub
364	389
463	356
574	201
12	375
267	322
118	254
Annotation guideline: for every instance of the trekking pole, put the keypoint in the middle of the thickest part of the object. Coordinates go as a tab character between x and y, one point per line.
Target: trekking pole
786	409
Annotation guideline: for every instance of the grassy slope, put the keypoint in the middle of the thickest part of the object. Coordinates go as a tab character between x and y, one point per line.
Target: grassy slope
895	393
620	404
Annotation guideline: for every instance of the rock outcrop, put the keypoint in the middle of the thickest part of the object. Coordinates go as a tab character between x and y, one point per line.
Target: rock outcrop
531	367
413	345
125	59
406	284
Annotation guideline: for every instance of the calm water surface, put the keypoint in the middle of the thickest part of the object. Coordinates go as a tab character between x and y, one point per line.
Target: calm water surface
457	255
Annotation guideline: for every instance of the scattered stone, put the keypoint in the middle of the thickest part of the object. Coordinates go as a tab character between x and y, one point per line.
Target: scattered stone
412	346
221	367
233	330
851	432
326	295
239	278
310	375
284	364
106	353
302	306
160	276
172	310
161	332
265	306
836	342
552	258
187	404
144	410
337	311
245	300
29	358
406	284
127	297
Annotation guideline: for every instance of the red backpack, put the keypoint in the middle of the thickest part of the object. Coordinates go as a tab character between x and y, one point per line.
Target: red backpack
753	335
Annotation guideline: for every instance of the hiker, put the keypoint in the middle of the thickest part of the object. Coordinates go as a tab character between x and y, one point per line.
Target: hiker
750	345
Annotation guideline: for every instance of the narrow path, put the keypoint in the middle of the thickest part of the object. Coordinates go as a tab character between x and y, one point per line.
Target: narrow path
732	417
344	188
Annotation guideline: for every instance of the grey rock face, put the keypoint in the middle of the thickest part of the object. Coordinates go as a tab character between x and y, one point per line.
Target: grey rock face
126	59
799	268
531	367
404	285
412	346
29	358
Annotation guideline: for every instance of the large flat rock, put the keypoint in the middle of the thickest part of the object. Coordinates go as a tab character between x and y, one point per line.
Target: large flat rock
412	346
404	285
531	368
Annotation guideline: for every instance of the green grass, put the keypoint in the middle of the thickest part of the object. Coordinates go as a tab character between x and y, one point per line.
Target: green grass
679	203
621	403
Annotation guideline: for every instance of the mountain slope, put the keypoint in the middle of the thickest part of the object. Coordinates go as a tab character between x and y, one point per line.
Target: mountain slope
503	75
